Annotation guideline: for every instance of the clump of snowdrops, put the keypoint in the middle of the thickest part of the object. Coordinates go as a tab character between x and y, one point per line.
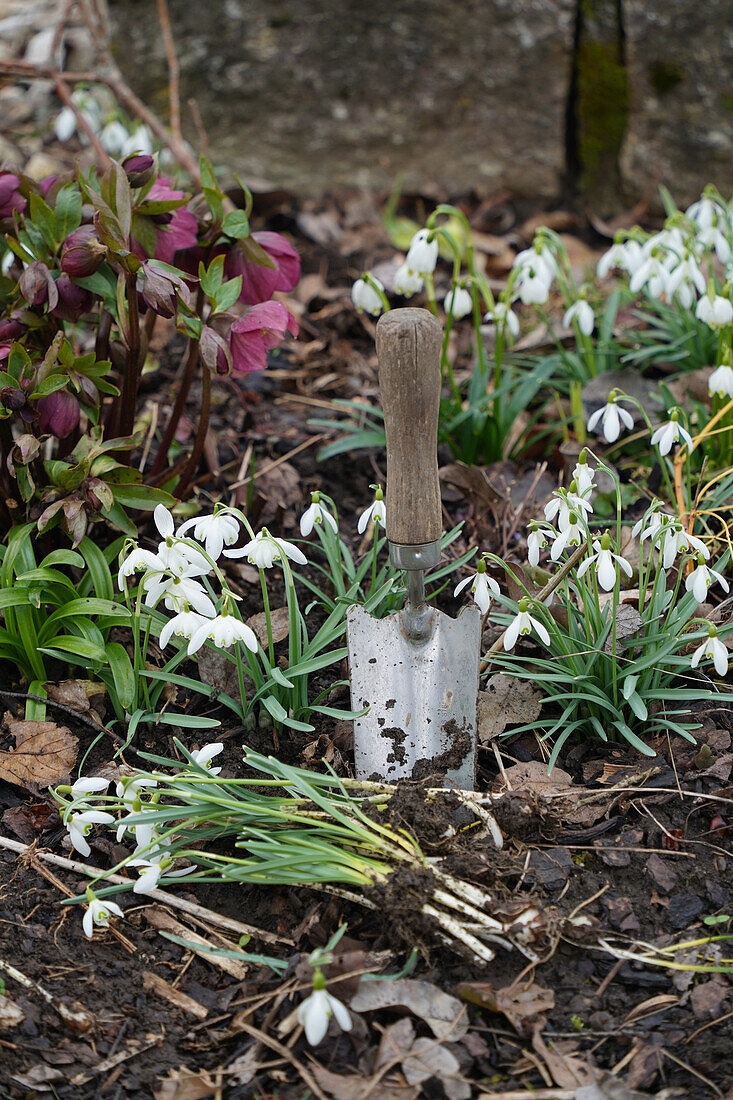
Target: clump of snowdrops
287	826
616	663
183	596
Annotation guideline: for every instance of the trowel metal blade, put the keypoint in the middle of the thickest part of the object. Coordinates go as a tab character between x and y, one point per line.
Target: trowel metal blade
422	697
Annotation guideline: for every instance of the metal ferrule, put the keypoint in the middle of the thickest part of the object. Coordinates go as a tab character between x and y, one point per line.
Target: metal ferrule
417	618
423	556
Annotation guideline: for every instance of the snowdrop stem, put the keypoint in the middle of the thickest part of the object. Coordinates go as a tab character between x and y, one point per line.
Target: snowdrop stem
268	618
240	676
430	293
378	290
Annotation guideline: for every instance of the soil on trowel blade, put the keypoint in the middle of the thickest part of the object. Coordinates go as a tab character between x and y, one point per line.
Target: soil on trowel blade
451	759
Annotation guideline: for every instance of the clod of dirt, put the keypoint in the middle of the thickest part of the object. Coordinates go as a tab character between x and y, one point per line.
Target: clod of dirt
460	745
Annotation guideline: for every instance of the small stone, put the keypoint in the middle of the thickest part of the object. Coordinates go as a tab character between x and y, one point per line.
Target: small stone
663	875
610	856
551	868
707	998
683	909
715	893
619	910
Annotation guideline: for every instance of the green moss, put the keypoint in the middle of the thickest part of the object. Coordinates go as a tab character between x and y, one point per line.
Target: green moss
664	76
602	112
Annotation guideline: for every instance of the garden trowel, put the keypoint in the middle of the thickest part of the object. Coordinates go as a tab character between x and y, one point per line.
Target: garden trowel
416	670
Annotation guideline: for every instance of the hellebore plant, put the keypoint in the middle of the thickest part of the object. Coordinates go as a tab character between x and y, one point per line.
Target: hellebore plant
90	263
613	665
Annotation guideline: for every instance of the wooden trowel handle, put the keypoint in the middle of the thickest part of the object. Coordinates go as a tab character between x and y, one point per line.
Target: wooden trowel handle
408	348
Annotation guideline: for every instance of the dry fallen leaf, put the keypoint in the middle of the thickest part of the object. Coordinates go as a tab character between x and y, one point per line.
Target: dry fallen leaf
518	1004
11	1014
445	1015
532	776
429	1059
185	1084
44	754
280	620
506	701
351	1086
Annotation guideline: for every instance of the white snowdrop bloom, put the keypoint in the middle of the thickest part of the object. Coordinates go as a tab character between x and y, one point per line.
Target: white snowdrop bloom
701	578
686	272
666	435
406	282
564	503
615	257
714	648
537	539
113	138
582	313
459	302
376	512
715	312
91	785
137	560
633	256
483	587
223	631
264	550
539	260
524	623
80	825
98	914
583	475
675	540
653	274
64	126
204	756
365	297
128	788
503	314
611	417
422	255
533	286
721	382
178	594
315	1012
316	513
173	555
139	141
216	531
572	535
652	522
151	870
182	625
706	212
603	559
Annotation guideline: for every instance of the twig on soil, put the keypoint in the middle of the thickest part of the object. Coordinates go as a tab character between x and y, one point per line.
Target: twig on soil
77	1018
96	726
155	895
278	462
283	1051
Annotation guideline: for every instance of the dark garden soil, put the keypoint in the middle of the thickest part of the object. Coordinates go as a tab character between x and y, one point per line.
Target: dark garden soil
641	847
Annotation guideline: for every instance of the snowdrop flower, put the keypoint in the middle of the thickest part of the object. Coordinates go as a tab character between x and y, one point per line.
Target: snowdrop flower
538	259
64	126
152	869
92	785
182	625
366	298
139	141
376	512
80	825
173	555
135	561
482	587
113	138
422	255
565	502
583	474
178	594
603	559
533	285
98	914
264	550
651	273
571	535
714	237
670	433
611	417
502	314
223	631
615	257
706	212
720	382
459	302
537	539
686	273
652	522
216	531
674	540
524	623
406	282
315	1012
128	788
204	756
715	311
700	579
714	648
316	513
582	313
